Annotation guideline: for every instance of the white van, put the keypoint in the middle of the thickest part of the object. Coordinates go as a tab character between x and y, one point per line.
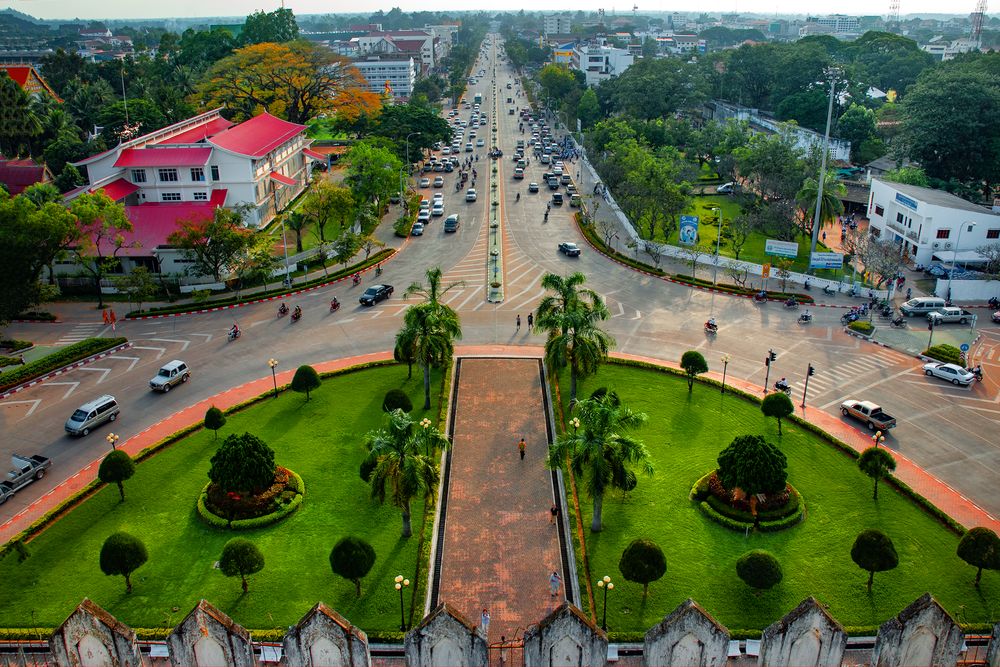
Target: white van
922	305
92	414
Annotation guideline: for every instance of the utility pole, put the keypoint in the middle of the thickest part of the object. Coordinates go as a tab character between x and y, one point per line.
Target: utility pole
832	72
809	373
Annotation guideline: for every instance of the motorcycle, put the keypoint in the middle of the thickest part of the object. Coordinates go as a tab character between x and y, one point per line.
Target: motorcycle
994	302
334	306
898	323
829	290
847	318
282	310
785	389
759	298
807	285
886	311
805	317
234	334
977	371
711	329
356	279
791	303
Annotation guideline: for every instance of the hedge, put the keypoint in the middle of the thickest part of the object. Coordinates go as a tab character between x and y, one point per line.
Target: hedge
37	316
949	354
215	521
764	526
56	360
404	224
377	258
862	327
14	345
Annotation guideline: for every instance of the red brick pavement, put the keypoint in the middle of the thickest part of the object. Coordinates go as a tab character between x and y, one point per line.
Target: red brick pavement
499	546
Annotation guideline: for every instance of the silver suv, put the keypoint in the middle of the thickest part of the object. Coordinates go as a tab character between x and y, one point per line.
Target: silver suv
172	373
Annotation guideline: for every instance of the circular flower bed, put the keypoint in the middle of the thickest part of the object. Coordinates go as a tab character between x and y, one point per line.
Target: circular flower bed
775	511
228	510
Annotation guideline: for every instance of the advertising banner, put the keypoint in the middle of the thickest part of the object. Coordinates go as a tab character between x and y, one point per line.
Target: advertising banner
781	248
688	234
826	260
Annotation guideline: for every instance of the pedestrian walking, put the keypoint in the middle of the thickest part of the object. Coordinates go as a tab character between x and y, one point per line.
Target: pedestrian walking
554	581
553	514
909	293
518	321
531	321
485	621
520	447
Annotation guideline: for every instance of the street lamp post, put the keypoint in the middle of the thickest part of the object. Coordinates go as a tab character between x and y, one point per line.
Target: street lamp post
606	584
425	424
401	583
878	438
725	367
273	363
575	423
833	73
718	243
958	246
113	439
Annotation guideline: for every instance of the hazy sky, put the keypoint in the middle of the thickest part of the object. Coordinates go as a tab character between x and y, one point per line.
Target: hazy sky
192	8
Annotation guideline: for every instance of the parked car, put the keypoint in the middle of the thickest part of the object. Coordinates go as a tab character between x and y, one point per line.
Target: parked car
470	194
374	294
951	372
726	188
949	314
170	375
438	209
424	215
425	182
418	229
869	413
569	249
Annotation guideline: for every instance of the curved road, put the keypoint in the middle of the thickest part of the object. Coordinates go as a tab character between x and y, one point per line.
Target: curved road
951	432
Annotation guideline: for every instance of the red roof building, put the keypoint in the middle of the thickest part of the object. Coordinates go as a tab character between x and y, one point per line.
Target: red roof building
16	175
30	81
258	136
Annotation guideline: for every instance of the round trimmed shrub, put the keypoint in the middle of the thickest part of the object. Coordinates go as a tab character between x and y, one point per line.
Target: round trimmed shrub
396	399
243	463
759	569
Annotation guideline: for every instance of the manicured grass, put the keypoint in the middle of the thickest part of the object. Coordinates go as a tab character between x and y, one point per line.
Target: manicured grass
321	440
684	436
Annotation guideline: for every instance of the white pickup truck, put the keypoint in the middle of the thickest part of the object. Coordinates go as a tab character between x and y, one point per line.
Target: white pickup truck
869	413
25	471
949	314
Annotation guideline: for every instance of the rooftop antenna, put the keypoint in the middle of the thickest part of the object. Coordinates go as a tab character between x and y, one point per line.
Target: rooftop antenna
894	15
977	23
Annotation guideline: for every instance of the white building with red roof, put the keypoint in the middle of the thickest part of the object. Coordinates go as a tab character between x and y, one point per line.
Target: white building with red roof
188	169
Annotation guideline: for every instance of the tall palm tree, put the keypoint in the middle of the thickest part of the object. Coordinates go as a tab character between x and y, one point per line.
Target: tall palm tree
600	451
582	345
830	206
297	222
430	329
395	466
433	292
568	296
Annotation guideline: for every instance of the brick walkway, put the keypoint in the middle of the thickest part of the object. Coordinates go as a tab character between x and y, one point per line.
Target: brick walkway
499	547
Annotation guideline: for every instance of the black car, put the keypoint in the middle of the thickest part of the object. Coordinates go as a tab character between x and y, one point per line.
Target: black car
374	294
569	249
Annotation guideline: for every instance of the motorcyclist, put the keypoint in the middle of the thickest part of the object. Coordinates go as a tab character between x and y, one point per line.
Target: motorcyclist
234	331
282	309
711	325
977	370
791	302
806	284
334	303
781	384
761	295
805	316
297	313
518	197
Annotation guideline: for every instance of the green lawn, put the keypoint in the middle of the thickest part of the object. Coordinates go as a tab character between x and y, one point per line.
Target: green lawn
321	440
684	436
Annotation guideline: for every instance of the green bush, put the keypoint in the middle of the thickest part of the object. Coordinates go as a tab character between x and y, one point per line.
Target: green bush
37	316
294	483
862	327
58	359
13	345
949	354
396	399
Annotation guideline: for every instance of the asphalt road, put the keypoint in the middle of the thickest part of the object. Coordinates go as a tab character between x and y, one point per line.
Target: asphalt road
952	432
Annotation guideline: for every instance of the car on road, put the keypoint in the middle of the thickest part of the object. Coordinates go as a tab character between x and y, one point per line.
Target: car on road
439	182
569	249
24	471
170	375
424	215
869	413
438	209
446	150
951	372
418	229
949	315
470	194
480	143
425	182
532	187
518	173
557	199
451	223
374	294
92	414
996	316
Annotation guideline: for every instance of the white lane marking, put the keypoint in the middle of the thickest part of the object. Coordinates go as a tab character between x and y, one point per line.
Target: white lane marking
160	350
103	371
134	360
72	387
183	343
34	404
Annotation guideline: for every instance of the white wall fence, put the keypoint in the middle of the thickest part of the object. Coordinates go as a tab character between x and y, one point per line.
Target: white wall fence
968	290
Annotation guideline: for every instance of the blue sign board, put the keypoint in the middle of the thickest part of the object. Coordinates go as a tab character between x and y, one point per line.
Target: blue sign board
688	234
906	201
964	347
781	248
826	260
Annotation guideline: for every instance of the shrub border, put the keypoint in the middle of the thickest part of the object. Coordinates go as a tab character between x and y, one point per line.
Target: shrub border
215	521
12	381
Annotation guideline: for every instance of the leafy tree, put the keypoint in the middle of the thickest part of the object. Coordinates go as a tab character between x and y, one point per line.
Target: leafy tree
404	350
588	110
399	121
116	468
213	245
297	222
214	420
830	206
373	172
772	165
397	468
276	26
694	364
433	327
759	569
873	552
352	558
305	380
295	81
777	404
122	554
876	462
101	223
327	203
138	285
241	558
557	81
68	178
857	125
754	466
654	88
19	125
243	463
908	175
806	108
601	451
396	399
980	548
642	562
140	117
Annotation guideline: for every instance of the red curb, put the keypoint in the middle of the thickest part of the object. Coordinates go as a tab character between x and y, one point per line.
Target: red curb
63	369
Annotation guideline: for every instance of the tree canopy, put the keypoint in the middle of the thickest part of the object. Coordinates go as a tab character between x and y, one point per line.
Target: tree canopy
873	552
116	468
642	562
759	569
242	464
980	548
122	554
352	558
241	558
752	465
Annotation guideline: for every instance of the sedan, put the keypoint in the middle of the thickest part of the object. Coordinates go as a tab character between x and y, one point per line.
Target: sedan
996	316
569	249
950	372
439	182
438	210
424	215
425	182
374	294
532	187
418	229
470	194
480	143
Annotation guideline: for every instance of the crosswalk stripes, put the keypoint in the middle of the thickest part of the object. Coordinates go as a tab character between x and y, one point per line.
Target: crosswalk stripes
848	370
79	332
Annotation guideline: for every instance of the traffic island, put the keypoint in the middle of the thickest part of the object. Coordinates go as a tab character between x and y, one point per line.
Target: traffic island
234	511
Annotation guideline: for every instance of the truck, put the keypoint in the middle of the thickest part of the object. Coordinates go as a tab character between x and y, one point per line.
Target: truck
948	315
26	469
478	98
869	413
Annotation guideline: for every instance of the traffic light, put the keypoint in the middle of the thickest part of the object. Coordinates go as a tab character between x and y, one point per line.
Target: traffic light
812	371
767	361
773	356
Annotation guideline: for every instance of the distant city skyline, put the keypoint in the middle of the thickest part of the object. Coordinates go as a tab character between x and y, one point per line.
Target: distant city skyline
127	9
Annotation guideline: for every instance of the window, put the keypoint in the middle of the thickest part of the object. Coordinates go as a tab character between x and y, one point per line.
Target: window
171	196
899	217
993	233
943	233
215	173
138	175
201	196
875	231
879	211
197	174
168	175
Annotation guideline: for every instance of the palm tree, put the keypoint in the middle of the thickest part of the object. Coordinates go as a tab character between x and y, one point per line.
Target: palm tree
433	292
430	329
297	222
582	345
830	206
396	467
568	295
600	451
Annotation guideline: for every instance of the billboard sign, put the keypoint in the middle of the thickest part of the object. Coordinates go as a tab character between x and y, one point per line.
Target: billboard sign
826	260
781	248
688	234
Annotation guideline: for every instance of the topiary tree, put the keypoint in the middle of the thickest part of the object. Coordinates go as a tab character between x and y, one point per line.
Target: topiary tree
122	554
642	562
396	399
980	548
243	463
777	405
876	462
305	380
759	570
352	558
214	420
116	468
873	552
241	558
693	364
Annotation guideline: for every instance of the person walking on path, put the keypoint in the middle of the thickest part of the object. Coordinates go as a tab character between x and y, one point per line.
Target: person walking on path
518	321
521	447
531	321
554	581
553	514
485	621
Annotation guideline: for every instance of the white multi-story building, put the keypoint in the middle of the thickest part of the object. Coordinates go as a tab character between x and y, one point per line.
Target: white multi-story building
803	138
188	169
399	74
931	225
557	24
599	63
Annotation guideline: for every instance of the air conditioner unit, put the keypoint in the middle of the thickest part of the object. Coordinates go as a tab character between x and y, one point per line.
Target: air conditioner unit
947	246
936	245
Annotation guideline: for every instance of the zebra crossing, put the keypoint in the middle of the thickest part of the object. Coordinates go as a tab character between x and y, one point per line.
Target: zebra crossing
848	369
80	332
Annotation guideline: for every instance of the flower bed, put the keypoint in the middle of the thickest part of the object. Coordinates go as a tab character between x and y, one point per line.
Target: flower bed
278	501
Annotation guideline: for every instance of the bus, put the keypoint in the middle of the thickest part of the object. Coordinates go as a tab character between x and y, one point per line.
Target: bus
479	98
